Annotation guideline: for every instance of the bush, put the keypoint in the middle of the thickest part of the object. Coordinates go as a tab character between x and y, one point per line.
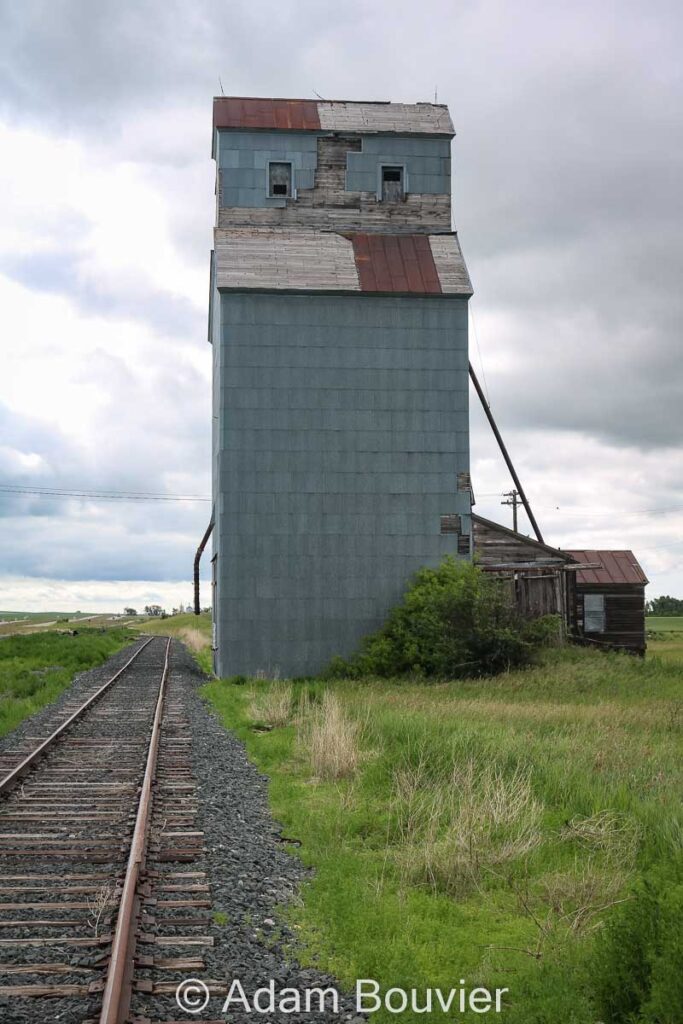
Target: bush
454	621
637	975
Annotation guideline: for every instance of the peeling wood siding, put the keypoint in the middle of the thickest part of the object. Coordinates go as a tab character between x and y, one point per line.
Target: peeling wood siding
329	182
285	260
420	118
495	547
450	265
300	259
426	214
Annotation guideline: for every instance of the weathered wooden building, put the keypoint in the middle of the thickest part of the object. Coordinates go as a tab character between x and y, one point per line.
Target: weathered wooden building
600	595
541	578
340	388
610	600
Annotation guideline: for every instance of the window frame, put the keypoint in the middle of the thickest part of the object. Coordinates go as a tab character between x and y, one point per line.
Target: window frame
598	614
381	168
292	184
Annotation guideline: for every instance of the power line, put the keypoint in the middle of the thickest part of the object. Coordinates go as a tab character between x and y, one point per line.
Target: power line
577	510
54	492
585	510
107	495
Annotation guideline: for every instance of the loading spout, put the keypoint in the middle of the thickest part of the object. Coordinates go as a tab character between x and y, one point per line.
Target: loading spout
197	560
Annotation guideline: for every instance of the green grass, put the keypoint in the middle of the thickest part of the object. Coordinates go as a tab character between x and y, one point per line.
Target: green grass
416	884
35	669
664	623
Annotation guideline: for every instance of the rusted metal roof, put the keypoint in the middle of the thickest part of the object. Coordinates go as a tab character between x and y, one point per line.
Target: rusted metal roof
395	263
249	112
307	260
616	567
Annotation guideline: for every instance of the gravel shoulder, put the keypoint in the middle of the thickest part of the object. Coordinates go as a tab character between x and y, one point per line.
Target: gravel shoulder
250	873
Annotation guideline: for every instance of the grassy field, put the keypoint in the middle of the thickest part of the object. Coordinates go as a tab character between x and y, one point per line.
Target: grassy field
664	623
485	830
41	616
35	669
28	623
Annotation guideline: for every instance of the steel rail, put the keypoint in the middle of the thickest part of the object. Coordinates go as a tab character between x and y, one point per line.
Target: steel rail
119	984
24	765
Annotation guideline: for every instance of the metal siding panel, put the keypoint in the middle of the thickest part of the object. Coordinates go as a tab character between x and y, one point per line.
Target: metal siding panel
277	569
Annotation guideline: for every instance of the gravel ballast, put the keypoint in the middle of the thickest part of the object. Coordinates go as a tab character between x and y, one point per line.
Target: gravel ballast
249	872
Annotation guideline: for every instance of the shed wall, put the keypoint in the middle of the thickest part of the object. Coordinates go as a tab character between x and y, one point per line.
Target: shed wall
624	616
342	426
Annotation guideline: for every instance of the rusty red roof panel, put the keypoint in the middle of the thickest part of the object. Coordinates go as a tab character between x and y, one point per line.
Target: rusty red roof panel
395	263
615	567
283	115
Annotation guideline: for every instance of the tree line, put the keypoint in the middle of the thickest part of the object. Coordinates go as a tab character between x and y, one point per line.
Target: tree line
664	606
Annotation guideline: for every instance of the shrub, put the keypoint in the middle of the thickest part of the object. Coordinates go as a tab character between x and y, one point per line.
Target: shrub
636	968
454	621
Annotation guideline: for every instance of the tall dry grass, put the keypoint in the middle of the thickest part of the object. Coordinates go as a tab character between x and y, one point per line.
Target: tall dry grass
272	707
195	639
329	736
455	824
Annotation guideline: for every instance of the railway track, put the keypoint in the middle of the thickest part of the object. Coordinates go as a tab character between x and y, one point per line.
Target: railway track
102	907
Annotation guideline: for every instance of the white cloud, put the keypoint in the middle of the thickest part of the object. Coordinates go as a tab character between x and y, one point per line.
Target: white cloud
567	169
44	594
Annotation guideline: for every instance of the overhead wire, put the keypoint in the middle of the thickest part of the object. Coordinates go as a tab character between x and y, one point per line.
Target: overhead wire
103	495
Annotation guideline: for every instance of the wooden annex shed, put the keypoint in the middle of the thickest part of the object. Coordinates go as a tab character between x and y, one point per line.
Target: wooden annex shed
609	605
541	577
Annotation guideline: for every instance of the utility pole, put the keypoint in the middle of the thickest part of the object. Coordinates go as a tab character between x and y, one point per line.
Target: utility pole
513	499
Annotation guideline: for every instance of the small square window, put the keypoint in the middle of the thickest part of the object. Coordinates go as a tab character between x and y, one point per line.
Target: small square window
279	180
393	184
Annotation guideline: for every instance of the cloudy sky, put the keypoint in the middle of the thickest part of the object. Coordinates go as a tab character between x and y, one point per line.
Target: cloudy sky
567	196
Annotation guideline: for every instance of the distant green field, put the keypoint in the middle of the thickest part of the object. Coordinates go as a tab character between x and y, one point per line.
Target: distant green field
664	623
41	616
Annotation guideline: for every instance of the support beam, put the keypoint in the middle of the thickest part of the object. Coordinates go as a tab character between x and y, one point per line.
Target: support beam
508	460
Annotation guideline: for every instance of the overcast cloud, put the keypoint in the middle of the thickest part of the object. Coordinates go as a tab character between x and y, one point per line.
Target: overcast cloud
567	196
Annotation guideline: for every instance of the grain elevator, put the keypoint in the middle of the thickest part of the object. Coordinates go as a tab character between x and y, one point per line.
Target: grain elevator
338	319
